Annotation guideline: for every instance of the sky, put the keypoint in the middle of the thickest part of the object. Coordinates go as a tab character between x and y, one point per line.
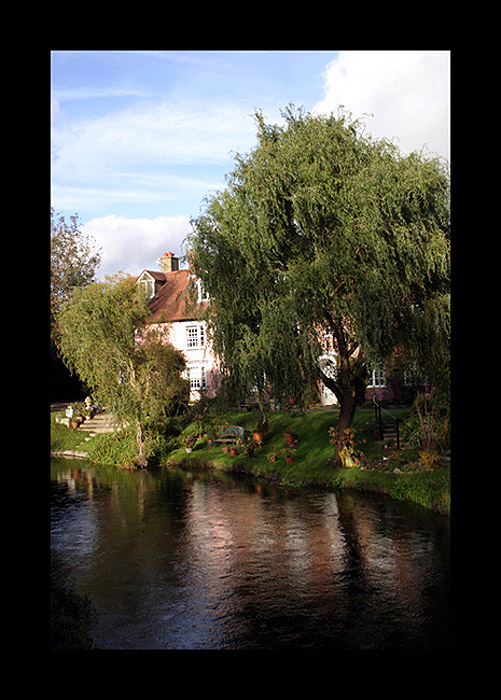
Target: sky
139	139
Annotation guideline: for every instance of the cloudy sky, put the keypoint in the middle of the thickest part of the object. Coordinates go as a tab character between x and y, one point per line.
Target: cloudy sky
140	138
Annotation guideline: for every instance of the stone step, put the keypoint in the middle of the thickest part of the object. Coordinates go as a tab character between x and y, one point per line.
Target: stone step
100	423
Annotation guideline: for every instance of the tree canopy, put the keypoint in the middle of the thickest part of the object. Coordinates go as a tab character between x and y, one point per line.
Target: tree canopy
73	259
128	368
323	227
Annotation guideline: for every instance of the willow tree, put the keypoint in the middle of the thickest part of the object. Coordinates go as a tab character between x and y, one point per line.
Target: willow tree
127	367
324	229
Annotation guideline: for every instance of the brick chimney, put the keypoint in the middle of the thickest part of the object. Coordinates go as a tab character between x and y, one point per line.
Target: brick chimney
169	263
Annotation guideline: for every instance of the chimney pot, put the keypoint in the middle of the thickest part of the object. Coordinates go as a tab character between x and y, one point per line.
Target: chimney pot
169	263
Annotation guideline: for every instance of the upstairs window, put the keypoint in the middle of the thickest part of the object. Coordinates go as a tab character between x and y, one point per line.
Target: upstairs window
202	294
148	285
195	336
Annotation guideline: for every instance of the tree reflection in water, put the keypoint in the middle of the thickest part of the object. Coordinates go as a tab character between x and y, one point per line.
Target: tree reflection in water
178	560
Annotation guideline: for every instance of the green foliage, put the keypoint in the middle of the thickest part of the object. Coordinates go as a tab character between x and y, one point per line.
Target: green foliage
164	393
98	341
73	260
428	424
432	493
115	449
64	438
323	226
312	466
128	366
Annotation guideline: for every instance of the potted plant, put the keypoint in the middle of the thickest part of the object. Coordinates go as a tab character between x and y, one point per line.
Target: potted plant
259	431
289	454
233	450
289	436
249	447
189	443
273	457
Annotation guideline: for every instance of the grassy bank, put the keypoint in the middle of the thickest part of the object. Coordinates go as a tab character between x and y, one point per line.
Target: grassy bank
396	473
312	465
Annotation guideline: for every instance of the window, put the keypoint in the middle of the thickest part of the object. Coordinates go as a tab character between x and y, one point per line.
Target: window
148	285
202	294
412	376
377	376
196	377
195	336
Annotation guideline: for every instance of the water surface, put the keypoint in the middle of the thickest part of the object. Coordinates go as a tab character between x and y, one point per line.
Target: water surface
181	560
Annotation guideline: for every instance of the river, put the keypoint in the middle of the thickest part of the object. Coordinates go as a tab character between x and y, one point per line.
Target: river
184	560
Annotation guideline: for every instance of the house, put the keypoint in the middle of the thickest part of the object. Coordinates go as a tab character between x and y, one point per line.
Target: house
171	291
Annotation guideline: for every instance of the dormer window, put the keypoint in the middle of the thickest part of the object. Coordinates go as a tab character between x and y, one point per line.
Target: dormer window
202	294
147	283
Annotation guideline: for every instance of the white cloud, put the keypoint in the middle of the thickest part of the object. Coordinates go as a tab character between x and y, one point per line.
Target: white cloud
163	133
134	245
131	188
407	92
147	154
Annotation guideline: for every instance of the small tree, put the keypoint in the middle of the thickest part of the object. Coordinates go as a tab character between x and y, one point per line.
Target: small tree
140	382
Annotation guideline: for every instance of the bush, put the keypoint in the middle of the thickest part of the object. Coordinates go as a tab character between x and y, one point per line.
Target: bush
119	448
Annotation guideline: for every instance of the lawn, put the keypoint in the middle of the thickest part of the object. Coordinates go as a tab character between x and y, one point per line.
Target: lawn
384	470
313	448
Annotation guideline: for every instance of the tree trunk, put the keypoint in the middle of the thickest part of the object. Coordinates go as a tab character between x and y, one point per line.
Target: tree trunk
348	386
141	460
346	415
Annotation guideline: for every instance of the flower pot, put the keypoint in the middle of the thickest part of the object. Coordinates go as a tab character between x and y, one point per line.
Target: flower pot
273	459
289	438
233	451
189	450
74	424
258	437
225	448
289	460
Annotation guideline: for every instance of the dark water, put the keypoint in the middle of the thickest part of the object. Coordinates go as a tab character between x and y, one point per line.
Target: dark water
175	560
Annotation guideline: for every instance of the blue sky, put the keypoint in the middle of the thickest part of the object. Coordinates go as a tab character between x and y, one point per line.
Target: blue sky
140	138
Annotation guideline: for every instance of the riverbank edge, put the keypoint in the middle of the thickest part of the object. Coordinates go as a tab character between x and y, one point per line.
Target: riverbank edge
430	489
70	454
400	486
397	486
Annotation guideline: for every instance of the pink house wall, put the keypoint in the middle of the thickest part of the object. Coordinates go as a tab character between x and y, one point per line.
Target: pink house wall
197	357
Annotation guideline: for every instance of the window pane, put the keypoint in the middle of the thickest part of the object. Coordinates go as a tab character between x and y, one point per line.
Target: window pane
192	336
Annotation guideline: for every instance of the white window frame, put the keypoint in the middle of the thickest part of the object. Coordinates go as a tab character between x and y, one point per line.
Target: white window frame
148	284
377	377
202	294
197	377
195	336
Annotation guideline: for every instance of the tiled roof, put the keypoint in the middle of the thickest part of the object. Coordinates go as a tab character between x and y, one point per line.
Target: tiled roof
158	276
170	303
